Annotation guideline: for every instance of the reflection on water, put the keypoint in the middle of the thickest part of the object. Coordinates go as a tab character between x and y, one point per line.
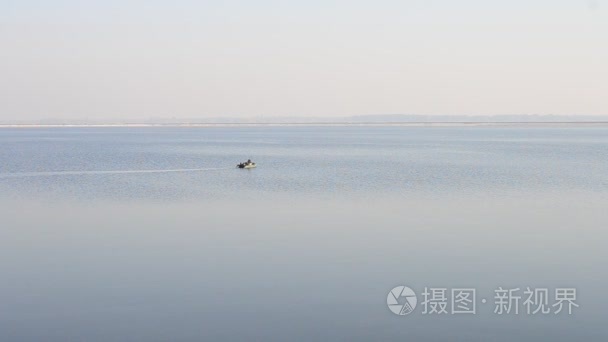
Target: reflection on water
308	245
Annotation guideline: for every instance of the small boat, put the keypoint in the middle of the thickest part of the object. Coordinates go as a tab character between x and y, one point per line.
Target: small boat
246	165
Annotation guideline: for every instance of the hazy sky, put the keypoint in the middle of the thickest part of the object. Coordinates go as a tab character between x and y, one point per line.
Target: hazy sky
140	59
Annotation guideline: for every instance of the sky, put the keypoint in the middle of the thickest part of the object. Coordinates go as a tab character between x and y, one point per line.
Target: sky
136	59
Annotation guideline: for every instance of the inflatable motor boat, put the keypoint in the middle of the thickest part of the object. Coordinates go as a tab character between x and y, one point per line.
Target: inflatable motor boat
246	165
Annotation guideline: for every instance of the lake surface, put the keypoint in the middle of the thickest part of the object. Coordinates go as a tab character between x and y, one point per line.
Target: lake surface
152	234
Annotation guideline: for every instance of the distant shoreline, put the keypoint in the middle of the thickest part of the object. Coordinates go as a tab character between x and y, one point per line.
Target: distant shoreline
316	124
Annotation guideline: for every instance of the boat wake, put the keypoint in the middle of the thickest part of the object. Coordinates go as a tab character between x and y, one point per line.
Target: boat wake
101	172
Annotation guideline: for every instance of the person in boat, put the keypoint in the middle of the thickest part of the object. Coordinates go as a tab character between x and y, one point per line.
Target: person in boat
244	164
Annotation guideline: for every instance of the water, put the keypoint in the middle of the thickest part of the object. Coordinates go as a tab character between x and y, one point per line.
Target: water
153	234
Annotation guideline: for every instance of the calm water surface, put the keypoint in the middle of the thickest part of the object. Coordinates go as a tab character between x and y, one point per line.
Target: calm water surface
152	234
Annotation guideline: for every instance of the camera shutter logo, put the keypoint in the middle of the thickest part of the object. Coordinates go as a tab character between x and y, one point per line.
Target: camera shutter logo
401	300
